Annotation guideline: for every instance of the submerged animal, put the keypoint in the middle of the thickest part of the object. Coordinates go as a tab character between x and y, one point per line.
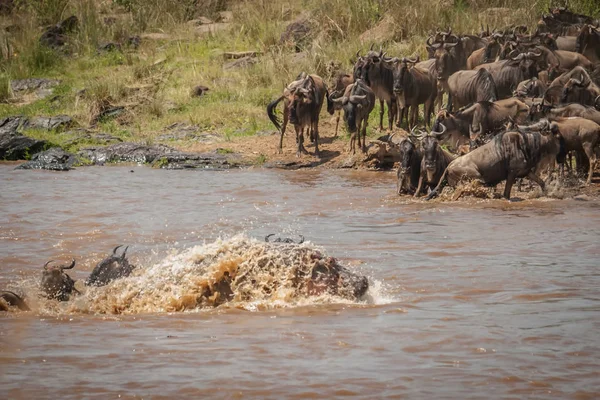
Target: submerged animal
283	240
111	268
10	299
57	284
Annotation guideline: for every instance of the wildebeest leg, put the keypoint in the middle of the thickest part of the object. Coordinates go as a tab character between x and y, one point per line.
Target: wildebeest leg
352	140
427	109
315	129
449	103
381	110
337	122
510	180
591	155
300	140
391	113
414	115
364	134
533	177
418	191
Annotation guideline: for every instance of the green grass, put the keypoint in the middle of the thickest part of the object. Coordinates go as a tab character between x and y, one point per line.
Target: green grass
154	82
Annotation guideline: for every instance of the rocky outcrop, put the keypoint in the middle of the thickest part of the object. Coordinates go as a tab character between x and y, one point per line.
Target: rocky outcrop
49	123
14	145
31	84
160	156
54	159
55	36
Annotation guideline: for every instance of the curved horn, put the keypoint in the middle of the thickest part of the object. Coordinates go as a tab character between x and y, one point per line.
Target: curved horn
412	60
116	248
70	266
124	252
371	48
435	133
301	239
357	53
390	137
446	45
46	265
268	236
428	41
355	98
518	58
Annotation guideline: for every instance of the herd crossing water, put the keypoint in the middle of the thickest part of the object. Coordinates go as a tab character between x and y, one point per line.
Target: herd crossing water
469	299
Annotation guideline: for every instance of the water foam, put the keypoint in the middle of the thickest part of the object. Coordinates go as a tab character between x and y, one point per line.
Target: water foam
238	272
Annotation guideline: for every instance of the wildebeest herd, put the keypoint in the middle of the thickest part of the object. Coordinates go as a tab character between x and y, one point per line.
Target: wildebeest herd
58	285
317	275
519	104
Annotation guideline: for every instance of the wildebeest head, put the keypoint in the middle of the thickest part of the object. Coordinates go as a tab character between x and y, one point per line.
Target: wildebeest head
111	268
401	69
530	88
410	158
572	90
527	63
328	276
430	145
55	283
304	95
283	240
443	57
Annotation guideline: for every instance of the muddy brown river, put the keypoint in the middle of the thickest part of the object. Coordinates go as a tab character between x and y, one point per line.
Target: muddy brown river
470	300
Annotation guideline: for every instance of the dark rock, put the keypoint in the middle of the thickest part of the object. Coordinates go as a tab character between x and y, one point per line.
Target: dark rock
160	156
133	41
241	62
234	55
110	113
582	197
30	84
199	161
297	34
110	46
291	165
14	145
86	136
199	91
50	123
55	36
125	152
54	159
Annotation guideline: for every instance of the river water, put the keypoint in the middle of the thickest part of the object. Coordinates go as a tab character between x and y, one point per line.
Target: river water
467	300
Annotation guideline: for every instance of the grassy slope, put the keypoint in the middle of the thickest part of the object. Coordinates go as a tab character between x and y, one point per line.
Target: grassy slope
154	82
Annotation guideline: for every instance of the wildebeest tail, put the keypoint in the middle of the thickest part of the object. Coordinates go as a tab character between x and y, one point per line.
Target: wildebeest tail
271	112
330	108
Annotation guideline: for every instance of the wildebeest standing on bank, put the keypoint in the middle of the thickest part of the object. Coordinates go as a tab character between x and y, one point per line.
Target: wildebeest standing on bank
414	86
466	87
339	88
302	105
111	268
510	155
434	162
580	135
57	284
375	70
358	101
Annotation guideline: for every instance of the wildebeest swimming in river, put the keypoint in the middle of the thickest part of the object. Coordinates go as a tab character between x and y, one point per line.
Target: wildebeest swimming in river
111	268
283	240
57	284
10	299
